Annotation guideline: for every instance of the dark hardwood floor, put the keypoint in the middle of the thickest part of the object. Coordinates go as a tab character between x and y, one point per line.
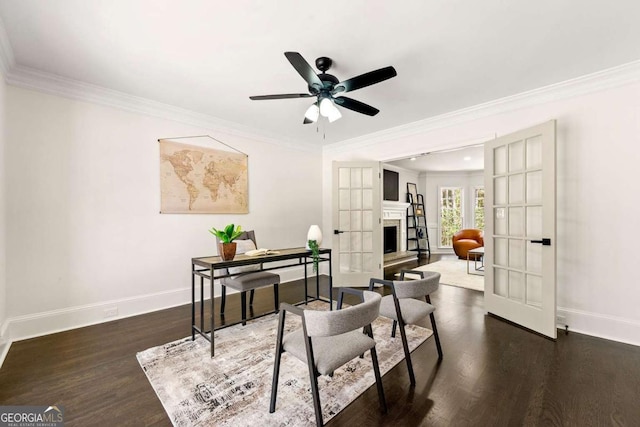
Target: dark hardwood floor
492	374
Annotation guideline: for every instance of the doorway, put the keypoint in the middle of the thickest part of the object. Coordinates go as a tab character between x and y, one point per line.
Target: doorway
451	182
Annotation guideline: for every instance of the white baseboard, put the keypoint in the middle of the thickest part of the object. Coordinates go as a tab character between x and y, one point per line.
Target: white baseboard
4	350
612	328
4	342
45	323
35	325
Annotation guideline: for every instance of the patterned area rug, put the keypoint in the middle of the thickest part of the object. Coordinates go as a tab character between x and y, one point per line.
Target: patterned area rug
453	272
234	388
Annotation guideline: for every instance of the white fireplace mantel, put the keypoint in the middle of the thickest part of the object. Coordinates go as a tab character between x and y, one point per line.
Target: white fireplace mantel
394	210
397	211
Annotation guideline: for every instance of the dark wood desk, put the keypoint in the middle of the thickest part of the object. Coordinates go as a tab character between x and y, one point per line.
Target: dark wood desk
205	268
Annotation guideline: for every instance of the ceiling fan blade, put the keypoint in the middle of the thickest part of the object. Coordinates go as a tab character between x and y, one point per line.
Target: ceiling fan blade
304	69
283	96
354	105
364	80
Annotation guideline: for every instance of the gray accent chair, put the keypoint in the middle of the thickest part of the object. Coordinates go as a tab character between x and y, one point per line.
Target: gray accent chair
409	303
328	340
247	278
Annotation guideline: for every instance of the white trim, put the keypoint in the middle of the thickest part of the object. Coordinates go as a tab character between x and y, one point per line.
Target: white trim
4	350
604	326
33	79
473	205
4	343
50	322
396	211
46	82
439	212
54	321
3	329
601	80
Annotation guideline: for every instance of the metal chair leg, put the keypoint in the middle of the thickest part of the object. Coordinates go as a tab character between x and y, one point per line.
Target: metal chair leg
435	335
407	354
393	329
276	365
224	299
376	371
243	303
313	377
316	398
435	329
276	297
253	291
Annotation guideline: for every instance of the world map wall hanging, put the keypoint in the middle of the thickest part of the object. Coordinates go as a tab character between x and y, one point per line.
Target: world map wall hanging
196	179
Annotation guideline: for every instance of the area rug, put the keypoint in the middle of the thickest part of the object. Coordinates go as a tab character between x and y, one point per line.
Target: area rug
453	272
234	387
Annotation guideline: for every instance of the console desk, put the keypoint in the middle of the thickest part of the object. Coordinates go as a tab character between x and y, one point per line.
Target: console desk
205	268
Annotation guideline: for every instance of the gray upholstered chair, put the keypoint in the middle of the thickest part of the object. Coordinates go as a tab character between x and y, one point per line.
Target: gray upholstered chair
408	304
247	278
328	340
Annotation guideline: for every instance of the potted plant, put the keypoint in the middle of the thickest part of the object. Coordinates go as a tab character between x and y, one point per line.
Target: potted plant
315	253
227	246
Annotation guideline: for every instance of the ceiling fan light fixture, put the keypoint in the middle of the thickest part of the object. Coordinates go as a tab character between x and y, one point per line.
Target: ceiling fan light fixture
329	110
326	105
312	112
334	114
325	86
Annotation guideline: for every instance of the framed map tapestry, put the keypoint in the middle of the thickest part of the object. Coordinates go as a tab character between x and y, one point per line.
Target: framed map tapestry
196	179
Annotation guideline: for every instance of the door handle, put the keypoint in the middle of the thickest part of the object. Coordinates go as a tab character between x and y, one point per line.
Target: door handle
337	232
544	242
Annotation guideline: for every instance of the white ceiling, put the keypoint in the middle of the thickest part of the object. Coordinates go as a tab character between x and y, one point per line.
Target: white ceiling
463	159
210	56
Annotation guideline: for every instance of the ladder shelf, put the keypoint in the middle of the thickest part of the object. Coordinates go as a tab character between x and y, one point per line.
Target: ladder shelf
417	234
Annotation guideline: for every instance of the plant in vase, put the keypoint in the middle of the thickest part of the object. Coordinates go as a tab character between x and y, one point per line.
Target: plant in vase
315	253
314	240
226	236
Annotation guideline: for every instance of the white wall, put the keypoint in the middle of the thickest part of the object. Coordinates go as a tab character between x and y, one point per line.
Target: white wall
598	145
84	230
430	185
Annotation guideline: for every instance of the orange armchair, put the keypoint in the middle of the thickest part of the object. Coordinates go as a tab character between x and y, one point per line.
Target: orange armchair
465	240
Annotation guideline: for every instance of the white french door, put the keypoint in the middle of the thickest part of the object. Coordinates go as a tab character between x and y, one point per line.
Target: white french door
357	213
520	228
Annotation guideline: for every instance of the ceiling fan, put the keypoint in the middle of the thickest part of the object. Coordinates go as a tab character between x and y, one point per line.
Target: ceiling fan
328	90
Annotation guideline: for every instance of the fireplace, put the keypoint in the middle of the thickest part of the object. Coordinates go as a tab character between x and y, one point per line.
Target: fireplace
394	214
390	241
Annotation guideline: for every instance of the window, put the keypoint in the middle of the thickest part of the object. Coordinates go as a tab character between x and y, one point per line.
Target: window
478	208
450	214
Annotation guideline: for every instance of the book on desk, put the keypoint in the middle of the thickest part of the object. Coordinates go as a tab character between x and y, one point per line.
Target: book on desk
261	251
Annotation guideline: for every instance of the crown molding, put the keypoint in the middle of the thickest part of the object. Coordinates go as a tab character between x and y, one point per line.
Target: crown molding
601	80
30	78
33	79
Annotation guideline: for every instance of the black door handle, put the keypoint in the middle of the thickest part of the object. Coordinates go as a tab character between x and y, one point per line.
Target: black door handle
337	232
544	242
